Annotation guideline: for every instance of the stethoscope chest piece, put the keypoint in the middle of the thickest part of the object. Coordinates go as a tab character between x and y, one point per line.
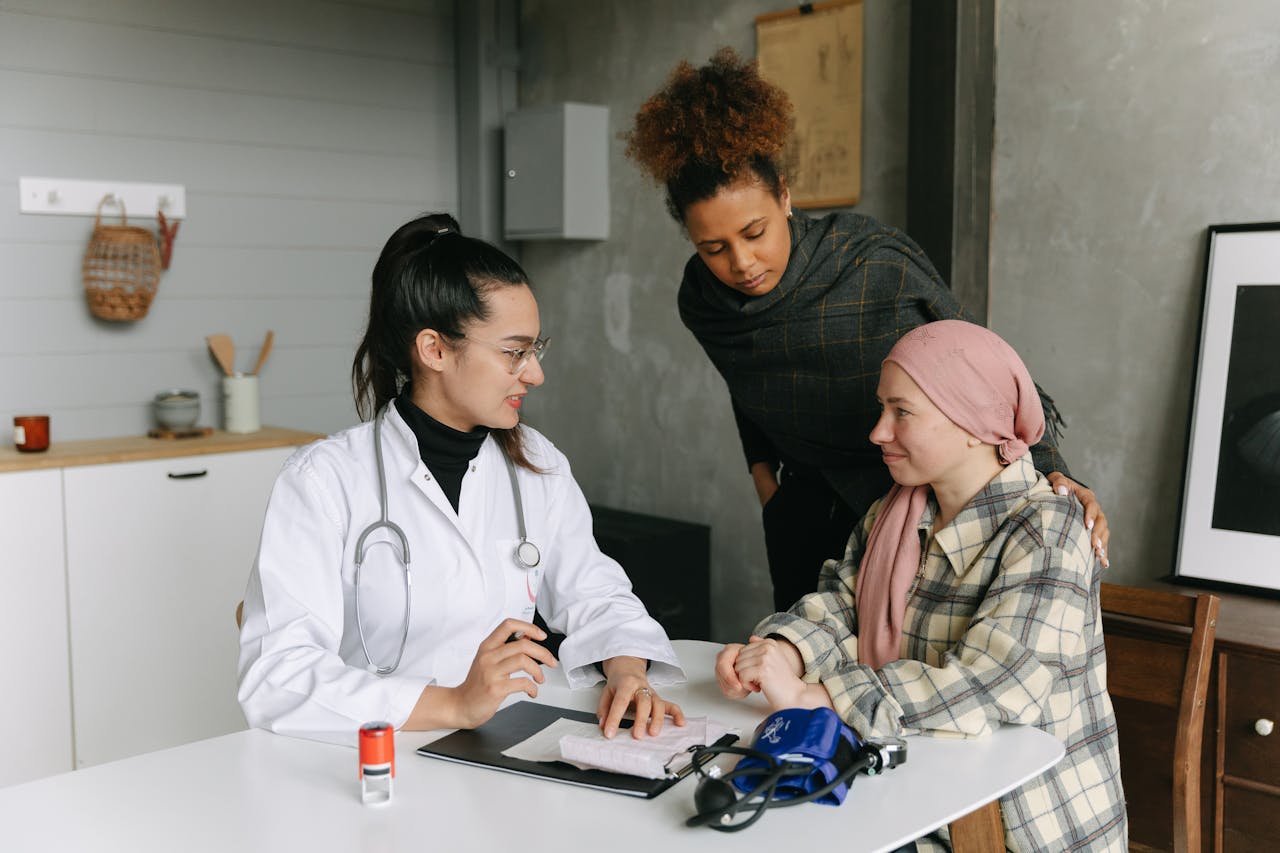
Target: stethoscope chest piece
527	554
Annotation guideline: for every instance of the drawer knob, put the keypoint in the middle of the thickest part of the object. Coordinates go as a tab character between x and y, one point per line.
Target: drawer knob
1263	726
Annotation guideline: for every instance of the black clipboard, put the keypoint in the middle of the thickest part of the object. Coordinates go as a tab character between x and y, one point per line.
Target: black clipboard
483	746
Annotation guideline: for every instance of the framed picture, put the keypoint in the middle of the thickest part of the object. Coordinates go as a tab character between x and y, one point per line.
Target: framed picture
1230	526
813	52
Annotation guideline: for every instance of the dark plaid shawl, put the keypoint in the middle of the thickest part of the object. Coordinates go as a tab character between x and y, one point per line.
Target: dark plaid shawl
802	362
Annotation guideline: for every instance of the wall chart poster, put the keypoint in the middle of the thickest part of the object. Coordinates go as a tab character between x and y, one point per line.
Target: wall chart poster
814	53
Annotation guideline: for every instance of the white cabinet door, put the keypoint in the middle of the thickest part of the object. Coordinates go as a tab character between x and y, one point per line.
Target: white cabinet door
158	554
35	700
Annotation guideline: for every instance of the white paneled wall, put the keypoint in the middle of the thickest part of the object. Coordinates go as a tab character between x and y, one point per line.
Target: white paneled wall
304	131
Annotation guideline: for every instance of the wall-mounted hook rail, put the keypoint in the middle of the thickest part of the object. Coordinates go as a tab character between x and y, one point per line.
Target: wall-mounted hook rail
64	196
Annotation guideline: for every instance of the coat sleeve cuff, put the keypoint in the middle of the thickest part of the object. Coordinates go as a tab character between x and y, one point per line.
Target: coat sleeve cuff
404	698
664	668
818	649
863	702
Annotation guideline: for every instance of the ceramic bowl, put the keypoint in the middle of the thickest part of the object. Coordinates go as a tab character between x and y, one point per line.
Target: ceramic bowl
177	409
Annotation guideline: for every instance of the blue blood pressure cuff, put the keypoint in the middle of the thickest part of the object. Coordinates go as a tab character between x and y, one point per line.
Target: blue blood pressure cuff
799	736
798	756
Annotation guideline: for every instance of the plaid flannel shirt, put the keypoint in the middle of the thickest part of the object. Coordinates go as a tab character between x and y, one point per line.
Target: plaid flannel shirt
1002	626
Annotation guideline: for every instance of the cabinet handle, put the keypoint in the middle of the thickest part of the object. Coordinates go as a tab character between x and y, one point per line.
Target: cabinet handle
1263	726
188	475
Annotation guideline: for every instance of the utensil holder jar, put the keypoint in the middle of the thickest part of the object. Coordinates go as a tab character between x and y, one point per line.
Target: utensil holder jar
240	403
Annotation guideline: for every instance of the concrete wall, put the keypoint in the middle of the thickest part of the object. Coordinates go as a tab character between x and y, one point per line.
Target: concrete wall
630	397
1124	129
304	132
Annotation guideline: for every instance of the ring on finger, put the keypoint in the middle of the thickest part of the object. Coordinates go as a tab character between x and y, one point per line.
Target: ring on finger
645	692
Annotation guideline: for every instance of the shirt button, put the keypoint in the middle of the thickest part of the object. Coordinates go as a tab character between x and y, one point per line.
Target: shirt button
473	467
426	476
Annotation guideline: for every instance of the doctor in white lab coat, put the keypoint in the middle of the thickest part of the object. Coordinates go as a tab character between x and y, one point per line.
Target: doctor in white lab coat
451	349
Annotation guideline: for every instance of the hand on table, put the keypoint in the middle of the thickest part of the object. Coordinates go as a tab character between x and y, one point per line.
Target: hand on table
628	687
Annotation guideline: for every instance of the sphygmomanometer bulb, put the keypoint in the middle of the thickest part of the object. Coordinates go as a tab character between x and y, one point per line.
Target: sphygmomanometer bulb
715	799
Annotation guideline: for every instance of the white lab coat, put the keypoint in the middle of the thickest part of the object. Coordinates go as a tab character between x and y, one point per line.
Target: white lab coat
302	670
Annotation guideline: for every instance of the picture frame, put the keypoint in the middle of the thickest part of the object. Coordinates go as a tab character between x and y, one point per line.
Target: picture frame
813	52
1229	530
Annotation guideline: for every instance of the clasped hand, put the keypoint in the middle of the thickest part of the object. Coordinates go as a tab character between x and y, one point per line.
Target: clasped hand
770	666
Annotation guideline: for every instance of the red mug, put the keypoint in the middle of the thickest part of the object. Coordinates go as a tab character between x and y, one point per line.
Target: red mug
31	433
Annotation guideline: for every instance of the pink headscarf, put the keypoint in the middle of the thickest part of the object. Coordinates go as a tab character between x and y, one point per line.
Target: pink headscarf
982	386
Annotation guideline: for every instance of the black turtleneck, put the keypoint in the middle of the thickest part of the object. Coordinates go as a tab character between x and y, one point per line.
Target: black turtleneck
444	450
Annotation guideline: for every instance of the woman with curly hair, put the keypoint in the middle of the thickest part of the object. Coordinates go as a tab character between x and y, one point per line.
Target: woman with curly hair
795	312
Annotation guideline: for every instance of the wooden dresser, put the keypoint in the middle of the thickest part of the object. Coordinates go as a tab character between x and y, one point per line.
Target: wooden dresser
1247	689
1240	771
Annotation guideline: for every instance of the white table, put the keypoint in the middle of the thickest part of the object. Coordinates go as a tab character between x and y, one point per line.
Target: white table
255	791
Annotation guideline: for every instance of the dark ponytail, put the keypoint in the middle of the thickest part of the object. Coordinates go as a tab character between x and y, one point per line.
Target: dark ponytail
428	276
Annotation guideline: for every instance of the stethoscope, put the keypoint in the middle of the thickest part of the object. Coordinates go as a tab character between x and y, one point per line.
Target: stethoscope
526	554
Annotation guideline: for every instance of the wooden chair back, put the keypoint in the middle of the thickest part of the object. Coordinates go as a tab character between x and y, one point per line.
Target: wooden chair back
1166	665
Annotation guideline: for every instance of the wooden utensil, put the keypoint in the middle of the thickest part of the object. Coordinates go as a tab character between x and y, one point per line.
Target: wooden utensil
224	352
266	349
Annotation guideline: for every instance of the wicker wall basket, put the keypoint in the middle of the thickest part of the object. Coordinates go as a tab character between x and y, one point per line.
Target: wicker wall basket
121	269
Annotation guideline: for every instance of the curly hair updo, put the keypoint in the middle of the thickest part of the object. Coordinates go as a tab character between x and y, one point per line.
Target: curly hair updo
709	127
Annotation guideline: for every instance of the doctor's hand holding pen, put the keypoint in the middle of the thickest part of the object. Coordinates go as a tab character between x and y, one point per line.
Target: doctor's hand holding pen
489	680
628	687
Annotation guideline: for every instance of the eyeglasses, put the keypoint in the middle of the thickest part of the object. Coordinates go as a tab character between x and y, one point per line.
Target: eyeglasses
520	356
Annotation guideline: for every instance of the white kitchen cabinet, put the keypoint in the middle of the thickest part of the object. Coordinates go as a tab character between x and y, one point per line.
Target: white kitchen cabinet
35	701
157	555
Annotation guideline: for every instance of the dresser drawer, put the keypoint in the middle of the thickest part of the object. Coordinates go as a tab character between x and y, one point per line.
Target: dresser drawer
1252	821
1253	693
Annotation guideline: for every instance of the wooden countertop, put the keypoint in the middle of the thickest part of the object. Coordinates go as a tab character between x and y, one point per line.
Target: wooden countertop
1248	623
98	451
1244	621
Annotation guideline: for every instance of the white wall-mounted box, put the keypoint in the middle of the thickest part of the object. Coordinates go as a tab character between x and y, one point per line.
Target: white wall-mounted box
556	184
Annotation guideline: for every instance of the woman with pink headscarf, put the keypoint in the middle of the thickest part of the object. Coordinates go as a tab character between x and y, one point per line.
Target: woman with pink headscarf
967	597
